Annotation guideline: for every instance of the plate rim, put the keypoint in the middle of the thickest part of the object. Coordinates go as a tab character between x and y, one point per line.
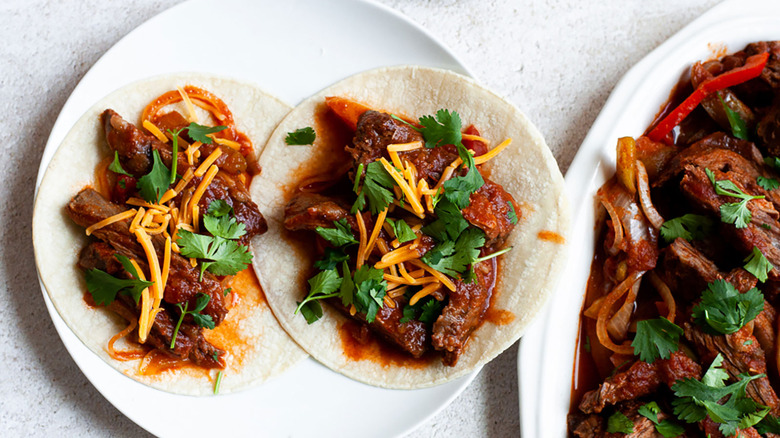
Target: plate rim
59	131
585	168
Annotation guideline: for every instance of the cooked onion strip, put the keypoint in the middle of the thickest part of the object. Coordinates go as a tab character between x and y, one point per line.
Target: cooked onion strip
619	322
665	293
606	307
643	185
617	226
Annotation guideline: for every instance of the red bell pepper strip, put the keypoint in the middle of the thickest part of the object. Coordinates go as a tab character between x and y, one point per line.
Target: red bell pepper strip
753	67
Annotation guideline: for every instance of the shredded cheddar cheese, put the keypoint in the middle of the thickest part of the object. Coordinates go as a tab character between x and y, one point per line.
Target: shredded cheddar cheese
151	127
110	220
424	292
493	152
225	142
193	117
208	162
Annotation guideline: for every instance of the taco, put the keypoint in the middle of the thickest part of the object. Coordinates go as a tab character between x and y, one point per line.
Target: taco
159	285
413	250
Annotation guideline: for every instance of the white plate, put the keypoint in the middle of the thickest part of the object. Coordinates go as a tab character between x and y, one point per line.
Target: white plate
291	48
546	360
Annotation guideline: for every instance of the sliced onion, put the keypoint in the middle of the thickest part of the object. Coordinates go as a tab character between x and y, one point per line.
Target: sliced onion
666	294
592	312
644	196
609	301
618	324
617	226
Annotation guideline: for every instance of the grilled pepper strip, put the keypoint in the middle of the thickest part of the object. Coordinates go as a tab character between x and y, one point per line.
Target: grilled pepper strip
753	67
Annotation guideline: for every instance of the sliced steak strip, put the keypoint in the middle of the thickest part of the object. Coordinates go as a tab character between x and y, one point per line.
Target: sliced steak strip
190	342
463	313
741	354
89	207
763	231
686	270
640	379
307	211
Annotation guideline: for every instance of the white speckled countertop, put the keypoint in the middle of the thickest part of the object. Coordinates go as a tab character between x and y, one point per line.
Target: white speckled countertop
557	60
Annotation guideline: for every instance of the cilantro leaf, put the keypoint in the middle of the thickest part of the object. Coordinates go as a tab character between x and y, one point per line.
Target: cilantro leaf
758	265
767	183
116	166
453	258
205	321
444	128
651	411
669	429
219	208
449	225
699	399
321	286
403	232
199	132
220	256
311	311
770	424
773	162
377	188
665	427
347	289
330	259
724	310
136	290
370	289
339	236
619	423
738	125
512	215
301	136
426	310
656	338
736	213
224	226
689	227
152	185
103	286
458	190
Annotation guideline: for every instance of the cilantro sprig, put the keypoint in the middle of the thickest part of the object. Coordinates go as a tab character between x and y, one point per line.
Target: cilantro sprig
339	236
425	310
116	166
444	128
452	258
152	185
220	253
321	286
205	321
689	227
665	427
656	338
377	188
403	232
697	399
619	423
767	184
736	213
104	287
724	310
301	136
200	133
757	264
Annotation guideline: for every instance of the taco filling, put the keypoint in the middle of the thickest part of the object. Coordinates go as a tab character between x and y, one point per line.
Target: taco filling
407	234
169	217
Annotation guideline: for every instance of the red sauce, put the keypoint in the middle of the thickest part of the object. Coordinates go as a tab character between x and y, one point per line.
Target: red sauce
499	316
360	343
89	300
551	236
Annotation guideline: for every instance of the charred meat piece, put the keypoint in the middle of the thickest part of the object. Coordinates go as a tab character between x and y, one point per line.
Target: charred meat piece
411	336
463	312
741	354
89	207
489	209
190	342
135	147
705	153
376	130
686	270
640	379
768	129
307	211
763	231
